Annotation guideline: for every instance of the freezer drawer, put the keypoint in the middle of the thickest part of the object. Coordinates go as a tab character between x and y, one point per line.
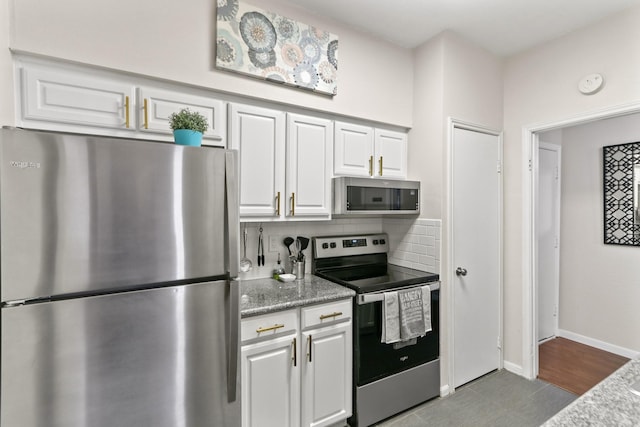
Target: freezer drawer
148	358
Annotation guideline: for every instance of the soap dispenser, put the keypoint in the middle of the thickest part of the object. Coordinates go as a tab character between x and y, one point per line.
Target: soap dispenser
278	269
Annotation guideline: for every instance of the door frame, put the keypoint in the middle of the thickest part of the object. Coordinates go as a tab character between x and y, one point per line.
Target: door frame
557	149
529	242
448	249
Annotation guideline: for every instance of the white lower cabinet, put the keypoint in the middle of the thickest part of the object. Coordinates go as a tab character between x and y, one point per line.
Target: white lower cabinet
270	384
326	375
301	377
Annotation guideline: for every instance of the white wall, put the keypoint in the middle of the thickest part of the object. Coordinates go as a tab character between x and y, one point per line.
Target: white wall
599	284
175	40
540	87
452	78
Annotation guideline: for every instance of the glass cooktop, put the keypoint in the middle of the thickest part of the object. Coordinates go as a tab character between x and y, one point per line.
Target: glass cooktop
374	278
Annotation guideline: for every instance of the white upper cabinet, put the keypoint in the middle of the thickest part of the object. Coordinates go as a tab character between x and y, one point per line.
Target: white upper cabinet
70	98
309	165
78	99
371	152
259	136
156	105
285	164
391	153
353	147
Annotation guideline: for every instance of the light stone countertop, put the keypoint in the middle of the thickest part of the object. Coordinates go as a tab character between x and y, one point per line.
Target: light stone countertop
609	403
262	296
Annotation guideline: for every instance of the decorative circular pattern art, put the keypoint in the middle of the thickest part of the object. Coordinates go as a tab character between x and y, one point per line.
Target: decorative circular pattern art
310	49
321	36
227	9
291	54
306	75
287	30
257	32
332	53
262	59
228	50
276	74
327	72
271	47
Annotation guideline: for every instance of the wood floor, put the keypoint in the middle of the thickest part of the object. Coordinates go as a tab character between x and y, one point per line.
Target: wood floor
575	367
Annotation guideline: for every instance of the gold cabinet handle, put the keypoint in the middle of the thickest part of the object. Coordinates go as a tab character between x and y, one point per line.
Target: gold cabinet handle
329	316
146	114
126	111
294	357
309	344
278	204
270	328
380	165
370	165
293	204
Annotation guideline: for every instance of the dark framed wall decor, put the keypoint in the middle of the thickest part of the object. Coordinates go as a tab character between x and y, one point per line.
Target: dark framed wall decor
621	182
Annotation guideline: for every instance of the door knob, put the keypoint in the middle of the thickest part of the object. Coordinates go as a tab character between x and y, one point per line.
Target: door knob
461	271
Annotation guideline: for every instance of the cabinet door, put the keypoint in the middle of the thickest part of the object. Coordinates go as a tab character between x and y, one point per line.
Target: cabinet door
391	154
156	105
326	375
270	383
61	99
309	165
259	135
353	150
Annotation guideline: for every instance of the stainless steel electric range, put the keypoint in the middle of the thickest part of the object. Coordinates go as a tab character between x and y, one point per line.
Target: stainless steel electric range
388	378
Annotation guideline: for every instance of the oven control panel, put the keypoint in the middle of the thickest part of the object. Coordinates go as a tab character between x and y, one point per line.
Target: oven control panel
346	245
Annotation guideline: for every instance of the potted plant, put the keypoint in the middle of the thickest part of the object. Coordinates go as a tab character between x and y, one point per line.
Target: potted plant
188	127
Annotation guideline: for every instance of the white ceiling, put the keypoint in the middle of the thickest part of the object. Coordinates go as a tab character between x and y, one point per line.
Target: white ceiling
503	27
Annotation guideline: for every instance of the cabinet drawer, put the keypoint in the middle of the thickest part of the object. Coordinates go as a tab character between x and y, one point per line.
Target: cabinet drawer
318	315
269	324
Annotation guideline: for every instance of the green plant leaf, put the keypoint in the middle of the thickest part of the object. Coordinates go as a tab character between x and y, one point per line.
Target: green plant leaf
187	119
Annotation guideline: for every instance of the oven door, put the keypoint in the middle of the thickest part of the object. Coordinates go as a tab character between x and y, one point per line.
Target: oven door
374	359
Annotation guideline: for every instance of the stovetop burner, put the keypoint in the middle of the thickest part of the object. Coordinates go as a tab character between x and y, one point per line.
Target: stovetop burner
360	263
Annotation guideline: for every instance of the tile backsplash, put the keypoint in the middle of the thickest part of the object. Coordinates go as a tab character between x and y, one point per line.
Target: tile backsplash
413	242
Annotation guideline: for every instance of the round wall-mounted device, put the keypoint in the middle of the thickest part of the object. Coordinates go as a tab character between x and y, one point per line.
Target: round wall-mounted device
590	84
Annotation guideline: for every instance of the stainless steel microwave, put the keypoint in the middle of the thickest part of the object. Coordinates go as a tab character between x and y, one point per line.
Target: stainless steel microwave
366	196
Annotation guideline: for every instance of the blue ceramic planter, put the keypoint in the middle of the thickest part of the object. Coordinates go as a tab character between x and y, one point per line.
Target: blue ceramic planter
187	137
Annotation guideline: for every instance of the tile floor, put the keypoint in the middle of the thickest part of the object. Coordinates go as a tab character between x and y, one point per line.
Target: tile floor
497	399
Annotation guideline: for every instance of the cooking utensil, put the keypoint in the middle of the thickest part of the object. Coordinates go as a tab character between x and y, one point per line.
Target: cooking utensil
299	250
260	247
245	263
304	243
287	242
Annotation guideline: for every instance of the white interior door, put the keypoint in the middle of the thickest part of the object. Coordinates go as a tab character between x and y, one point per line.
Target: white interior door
476	261
548	235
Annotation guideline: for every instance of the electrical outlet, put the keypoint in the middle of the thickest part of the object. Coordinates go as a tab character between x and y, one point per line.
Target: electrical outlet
274	243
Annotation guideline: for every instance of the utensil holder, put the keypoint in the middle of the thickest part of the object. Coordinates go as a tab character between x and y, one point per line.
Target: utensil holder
299	270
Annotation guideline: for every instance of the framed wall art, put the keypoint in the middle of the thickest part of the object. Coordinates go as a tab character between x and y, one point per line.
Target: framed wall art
271	47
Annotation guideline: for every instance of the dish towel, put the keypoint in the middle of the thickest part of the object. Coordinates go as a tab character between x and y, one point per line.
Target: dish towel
411	313
406	315
390	318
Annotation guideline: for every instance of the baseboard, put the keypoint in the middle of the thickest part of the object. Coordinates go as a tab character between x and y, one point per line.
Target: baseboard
512	367
611	348
444	390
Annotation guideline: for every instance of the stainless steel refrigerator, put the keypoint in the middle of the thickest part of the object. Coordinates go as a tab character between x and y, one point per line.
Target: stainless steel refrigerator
119	304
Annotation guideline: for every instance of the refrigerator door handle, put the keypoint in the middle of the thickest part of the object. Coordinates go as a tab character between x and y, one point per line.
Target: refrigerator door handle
234	340
233	213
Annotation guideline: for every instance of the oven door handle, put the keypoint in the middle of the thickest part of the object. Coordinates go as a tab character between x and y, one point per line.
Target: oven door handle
379	296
